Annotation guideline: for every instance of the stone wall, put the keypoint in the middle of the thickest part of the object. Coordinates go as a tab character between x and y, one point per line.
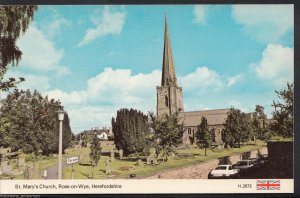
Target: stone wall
199	171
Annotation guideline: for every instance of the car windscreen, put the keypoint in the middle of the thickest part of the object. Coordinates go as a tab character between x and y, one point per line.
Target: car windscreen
221	168
242	163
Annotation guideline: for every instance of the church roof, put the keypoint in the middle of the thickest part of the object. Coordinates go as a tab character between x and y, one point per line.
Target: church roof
168	69
214	117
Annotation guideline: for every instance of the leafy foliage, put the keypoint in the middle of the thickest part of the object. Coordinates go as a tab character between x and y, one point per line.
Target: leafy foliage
130	129
14	20
204	135
283	113
167	133
95	153
238	128
29	122
260	128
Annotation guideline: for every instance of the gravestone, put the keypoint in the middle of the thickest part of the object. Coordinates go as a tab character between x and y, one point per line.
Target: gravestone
80	157
154	161
7	169
121	153
107	167
112	155
26	172
4	163
171	155
21	163
34	172
139	162
148	160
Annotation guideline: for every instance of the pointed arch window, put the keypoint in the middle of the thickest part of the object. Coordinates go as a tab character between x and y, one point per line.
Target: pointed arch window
166	101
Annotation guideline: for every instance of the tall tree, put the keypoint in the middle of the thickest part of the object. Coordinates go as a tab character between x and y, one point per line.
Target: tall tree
14	20
130	129
204	135
260	112
167	133
29	122
259	124
95	153
238	128
283	113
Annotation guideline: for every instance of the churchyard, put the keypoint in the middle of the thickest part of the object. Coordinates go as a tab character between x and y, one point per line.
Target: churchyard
127	167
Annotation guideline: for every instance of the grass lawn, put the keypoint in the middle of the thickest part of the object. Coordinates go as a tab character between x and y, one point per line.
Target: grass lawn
123	168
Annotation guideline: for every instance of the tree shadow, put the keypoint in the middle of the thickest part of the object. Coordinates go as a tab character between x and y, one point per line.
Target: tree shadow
86	175
81	164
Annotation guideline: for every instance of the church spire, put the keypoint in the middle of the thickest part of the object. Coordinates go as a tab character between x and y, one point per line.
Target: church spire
168	70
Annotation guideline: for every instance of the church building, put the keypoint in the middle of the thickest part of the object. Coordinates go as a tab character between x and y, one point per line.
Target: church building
170	100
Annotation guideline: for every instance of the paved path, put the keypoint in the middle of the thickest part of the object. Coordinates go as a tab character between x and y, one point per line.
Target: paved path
52	172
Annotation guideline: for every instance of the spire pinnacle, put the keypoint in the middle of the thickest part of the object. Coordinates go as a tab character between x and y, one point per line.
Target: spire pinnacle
168	70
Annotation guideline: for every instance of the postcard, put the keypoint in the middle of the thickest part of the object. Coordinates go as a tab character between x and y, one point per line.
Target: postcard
113	99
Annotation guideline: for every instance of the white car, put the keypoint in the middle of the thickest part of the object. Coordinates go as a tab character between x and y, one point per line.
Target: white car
223	171
244	165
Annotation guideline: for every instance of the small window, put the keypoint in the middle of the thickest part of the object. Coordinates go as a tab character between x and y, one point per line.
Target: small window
230	168
213	134
189	131
166	101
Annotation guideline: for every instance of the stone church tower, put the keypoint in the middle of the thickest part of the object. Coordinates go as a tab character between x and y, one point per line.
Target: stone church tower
169	94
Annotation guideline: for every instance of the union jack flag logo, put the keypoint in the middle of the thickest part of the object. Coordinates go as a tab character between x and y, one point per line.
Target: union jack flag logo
268	184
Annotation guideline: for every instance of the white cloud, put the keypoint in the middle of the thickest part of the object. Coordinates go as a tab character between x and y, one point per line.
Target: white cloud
53	23
201	80
39	53
268	23
107	92
54	27
234	79
200	13
63	71
111	22
66	98
277	64
113	89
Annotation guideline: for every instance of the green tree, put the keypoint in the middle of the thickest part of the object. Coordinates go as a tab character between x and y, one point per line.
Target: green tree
204	135
167	133
283	113
14	20
29	122
260	127
95	153
237	128
260	112
130	129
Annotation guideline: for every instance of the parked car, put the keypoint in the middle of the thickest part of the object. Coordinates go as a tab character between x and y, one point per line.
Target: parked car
255	161
223	171
244	165
263	159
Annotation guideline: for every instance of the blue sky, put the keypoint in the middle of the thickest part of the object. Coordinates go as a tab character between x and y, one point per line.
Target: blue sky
97	59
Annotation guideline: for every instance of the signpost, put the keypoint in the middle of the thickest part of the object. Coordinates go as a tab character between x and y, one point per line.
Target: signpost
72	160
